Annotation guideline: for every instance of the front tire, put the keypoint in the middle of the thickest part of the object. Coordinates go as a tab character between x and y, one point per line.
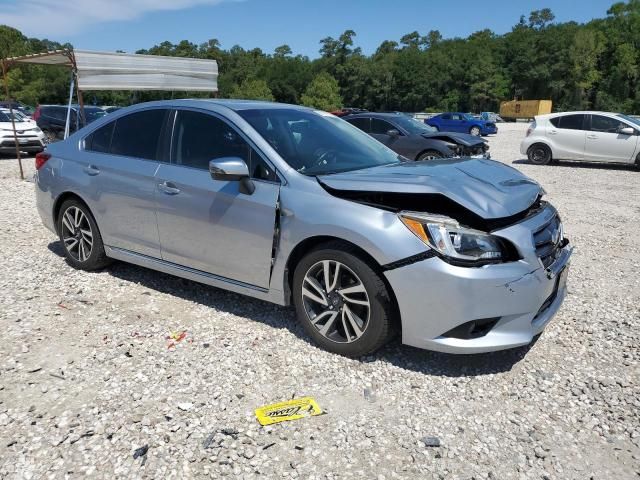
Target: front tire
429	155
475	131
342	303
80	237
539	154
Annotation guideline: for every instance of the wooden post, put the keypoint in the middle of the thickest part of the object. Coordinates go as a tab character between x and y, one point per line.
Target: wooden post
13	122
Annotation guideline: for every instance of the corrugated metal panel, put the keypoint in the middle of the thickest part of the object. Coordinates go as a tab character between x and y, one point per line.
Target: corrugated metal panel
122	71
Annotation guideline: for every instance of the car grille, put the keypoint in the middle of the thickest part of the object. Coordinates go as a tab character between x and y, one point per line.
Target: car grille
548	241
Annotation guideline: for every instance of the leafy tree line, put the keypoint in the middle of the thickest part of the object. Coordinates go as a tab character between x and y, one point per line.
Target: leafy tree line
579	66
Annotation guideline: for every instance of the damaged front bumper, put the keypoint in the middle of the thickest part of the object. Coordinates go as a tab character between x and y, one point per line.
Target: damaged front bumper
456	309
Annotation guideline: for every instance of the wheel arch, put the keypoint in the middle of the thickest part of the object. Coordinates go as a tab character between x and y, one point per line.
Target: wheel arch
541	142
64	196
312	243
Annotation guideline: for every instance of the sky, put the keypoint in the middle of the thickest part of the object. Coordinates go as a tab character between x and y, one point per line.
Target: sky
130	25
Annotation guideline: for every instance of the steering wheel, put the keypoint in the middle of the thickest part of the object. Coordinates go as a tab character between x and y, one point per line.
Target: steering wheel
325	156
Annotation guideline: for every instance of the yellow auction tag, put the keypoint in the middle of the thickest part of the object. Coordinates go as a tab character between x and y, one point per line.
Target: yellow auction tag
289	410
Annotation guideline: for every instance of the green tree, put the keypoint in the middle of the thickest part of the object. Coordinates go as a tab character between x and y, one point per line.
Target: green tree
253	89
323	93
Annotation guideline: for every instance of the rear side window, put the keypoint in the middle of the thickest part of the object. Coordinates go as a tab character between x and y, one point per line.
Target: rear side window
446	116
138	134
570	122
362	123
100	140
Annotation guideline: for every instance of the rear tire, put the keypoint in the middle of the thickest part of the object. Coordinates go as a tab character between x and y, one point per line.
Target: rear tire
539	154
352	331
429	155
80	237
50	136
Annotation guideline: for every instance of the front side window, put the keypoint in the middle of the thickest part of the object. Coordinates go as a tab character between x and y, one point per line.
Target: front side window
317	143
380	127
572	122
199	138
138	134
606	124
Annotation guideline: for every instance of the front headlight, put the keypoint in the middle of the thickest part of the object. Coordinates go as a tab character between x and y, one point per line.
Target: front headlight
457	243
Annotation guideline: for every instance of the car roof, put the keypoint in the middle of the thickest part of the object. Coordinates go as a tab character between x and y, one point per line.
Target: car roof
232	104
372	114
580	112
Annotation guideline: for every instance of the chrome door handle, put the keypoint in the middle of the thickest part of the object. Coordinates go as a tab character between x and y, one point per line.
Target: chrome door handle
553	132
169	188
91	170
592	136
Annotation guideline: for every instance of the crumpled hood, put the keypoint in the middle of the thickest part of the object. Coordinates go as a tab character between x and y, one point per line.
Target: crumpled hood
459	138
487	188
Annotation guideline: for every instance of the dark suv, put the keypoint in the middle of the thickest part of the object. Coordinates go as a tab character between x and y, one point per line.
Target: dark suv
52	119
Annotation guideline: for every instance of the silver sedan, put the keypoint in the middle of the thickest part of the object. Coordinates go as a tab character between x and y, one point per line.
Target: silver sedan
296	206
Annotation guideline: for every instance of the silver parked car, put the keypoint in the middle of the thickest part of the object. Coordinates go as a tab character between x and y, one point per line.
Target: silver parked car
292	205
585	136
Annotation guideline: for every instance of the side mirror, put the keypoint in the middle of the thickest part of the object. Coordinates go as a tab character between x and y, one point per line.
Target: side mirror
232	169
627	131
393	132
228	168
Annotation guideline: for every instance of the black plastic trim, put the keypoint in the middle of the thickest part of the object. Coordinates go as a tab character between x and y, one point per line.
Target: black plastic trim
409	260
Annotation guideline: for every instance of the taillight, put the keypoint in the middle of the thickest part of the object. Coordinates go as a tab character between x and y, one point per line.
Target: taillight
36	114
41	159
531	128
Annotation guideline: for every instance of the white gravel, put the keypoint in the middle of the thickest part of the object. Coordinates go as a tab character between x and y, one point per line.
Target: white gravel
87	381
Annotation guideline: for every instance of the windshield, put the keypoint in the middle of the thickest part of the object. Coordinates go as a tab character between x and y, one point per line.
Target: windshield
413	126
634	120
5	116
468	116
317	143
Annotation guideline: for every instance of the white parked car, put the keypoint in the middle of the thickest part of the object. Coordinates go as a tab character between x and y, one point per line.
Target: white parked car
586	136
30	137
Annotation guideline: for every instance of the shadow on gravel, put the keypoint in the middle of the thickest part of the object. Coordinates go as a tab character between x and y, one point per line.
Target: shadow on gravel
402	356
579	164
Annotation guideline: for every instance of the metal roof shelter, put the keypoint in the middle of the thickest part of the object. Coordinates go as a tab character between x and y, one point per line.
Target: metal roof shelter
120	71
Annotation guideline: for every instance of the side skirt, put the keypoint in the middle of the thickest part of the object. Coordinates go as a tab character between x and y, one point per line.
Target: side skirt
195	275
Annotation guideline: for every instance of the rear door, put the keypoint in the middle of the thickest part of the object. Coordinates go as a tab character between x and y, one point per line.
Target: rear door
605	143
120	162
568	136
209	225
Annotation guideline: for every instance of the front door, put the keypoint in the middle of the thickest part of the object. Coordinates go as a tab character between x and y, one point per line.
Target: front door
209	225
605	143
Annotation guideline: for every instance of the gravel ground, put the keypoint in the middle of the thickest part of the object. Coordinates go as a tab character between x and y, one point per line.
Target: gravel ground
88	385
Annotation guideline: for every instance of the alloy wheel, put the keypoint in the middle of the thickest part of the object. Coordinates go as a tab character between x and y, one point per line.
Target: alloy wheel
77	235
336	301
538	155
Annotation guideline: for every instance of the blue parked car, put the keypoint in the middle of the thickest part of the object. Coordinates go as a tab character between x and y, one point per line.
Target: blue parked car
462	122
